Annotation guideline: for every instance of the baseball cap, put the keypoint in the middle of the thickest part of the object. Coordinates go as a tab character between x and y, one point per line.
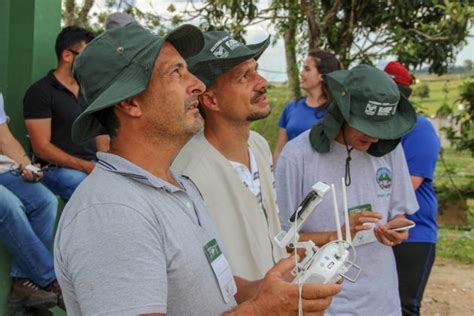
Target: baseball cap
118	19
397	71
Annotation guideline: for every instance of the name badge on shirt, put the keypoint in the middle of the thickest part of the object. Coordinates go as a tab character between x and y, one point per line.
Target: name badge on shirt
367	236
221	269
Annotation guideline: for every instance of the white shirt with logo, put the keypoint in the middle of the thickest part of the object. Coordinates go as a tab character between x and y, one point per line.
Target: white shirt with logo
383	183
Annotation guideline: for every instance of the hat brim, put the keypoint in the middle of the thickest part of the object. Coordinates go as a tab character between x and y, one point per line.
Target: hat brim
334	82
207	71
188	41
327	129
127	84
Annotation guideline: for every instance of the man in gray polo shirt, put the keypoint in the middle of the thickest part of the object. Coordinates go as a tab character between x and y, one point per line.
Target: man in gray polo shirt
135	239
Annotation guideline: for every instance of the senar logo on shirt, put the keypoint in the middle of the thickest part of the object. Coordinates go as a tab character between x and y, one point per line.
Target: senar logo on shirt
384	178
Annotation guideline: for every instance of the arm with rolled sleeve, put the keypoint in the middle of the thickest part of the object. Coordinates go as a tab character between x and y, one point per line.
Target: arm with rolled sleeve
110	260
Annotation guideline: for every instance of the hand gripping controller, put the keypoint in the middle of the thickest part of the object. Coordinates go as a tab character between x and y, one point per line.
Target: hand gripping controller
326	264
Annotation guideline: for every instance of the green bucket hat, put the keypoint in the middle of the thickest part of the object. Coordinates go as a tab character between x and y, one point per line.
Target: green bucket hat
118	64
220	54
368	100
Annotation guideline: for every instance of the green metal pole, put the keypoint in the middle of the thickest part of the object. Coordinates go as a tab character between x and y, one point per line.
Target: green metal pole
28	30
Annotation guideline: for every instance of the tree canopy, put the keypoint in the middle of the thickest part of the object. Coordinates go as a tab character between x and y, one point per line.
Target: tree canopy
424	32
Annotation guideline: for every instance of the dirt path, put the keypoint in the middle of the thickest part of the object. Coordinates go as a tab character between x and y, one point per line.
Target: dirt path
450	290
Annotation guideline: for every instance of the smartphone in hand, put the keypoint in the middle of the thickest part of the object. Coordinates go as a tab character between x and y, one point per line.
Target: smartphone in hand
400	224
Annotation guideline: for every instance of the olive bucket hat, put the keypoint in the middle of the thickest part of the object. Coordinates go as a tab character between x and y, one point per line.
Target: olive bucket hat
118	64
368	100
220	54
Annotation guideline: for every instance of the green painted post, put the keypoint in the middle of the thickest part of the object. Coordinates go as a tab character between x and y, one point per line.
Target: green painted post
4	36
28	30
32	30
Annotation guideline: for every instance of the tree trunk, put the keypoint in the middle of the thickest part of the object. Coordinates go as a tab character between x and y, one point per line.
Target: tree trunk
292	66
310	9
347	38
68	14
82	16
72	15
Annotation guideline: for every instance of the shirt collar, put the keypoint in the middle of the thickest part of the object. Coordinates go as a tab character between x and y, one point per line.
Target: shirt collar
54	81
122	166
57	84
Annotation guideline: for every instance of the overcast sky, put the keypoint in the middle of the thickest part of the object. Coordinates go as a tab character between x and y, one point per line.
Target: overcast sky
272	63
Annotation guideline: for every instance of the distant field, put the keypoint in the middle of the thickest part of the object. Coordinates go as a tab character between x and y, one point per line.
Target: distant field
461	165
437	96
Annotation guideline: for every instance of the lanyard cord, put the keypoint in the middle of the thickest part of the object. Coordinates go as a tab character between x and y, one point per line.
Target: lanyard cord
347	177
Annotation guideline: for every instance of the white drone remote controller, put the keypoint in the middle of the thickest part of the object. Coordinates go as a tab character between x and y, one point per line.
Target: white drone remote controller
33	169
326	264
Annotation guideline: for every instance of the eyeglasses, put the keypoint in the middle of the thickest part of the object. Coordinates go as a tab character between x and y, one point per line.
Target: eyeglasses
73	52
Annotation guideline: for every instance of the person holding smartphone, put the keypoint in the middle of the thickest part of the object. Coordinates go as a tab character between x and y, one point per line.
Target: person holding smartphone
27	216
358	140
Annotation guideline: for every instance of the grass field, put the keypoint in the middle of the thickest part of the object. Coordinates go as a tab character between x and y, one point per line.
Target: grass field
456	244
453	243
443	89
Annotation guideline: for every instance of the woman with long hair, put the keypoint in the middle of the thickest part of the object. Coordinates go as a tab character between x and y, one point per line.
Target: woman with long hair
300	115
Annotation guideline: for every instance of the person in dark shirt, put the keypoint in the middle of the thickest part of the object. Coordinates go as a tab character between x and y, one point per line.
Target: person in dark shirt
50	107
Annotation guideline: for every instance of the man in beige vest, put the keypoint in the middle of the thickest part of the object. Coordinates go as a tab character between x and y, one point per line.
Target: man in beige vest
231	165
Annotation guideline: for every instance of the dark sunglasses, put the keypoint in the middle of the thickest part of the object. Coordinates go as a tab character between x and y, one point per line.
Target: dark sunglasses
73	52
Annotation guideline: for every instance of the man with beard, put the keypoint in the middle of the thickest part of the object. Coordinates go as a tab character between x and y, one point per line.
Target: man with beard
231	165
134	239
50	107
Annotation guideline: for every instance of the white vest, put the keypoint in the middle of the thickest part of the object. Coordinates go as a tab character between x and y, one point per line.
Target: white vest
246	230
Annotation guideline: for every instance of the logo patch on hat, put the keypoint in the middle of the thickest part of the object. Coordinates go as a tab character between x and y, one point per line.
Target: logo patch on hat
370	109
224	46
233	44
384	178
221	52
380	109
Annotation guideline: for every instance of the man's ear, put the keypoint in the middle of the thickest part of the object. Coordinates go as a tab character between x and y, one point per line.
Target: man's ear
208	101
67	56
130	108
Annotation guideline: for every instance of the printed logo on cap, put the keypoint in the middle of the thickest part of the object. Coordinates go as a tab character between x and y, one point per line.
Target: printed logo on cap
380	109
224	46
